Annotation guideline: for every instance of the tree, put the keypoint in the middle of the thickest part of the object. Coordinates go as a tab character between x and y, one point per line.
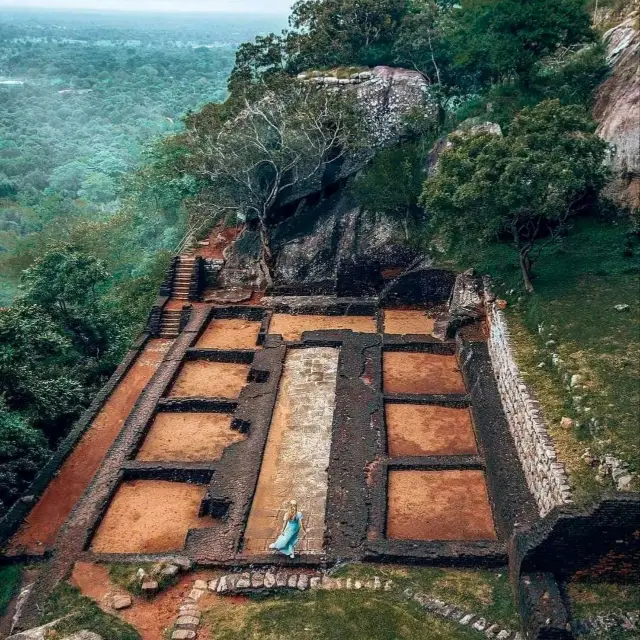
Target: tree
502	39
392	183
526	185
329	33
98	187
23	450
41	374
272	147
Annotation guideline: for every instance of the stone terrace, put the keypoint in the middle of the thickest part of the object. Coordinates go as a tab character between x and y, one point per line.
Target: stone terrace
296	394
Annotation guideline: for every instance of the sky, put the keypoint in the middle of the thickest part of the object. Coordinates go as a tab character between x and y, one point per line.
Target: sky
227	6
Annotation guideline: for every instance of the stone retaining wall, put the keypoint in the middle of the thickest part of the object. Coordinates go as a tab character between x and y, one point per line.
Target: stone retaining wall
546	477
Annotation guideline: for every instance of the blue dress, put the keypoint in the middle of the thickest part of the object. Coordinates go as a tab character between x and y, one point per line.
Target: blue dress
288	539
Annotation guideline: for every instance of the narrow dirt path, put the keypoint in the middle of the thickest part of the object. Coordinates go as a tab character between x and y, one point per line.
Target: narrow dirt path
41	526
150	618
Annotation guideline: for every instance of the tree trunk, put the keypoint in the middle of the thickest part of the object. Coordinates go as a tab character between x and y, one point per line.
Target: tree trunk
266	257
525	267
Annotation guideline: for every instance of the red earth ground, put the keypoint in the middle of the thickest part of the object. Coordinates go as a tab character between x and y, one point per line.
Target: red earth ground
41	526
178	436
205	379
421	373
291	327
150	516
428	430
439	505
234	333
149	617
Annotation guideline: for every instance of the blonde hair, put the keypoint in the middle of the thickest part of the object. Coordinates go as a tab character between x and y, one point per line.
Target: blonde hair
292	511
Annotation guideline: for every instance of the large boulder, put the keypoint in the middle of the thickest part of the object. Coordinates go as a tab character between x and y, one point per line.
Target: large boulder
334	247
388	97
617	108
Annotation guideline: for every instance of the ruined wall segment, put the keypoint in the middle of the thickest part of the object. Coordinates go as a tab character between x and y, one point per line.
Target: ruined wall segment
546	477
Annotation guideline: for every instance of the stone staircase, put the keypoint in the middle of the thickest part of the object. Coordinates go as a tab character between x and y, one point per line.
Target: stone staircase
182	278
170	324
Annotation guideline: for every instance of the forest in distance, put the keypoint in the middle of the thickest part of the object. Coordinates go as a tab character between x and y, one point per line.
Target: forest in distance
82	94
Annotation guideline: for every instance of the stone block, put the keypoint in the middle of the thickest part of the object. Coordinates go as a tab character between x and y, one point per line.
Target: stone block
213	585
257	580
269	580
292	581
149	586
244	581
200	584
303	582
183	634
121	602
187	622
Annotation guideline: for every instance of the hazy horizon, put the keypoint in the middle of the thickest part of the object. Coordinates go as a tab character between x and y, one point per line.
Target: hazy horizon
154	6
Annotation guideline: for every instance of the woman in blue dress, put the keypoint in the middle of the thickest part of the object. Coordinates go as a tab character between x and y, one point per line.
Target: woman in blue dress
291	527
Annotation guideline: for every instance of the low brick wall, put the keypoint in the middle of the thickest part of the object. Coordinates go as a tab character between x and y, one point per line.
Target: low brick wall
546	477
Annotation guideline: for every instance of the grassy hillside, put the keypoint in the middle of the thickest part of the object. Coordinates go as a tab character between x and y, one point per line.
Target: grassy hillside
572	314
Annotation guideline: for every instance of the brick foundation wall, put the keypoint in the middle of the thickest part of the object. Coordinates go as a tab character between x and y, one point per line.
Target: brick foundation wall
546	477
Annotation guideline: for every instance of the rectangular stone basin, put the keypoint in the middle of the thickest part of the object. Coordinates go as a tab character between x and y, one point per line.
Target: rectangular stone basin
150	516
406	322
202	378
438	505
291	327
188	437
428	430
230	333
421	373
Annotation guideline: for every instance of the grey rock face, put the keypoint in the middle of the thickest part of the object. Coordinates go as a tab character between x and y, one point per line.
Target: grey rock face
617	107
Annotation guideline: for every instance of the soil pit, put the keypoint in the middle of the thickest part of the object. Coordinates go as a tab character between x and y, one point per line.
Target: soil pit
424	430
188	437
421	373
438	505
205	379
150	516
405	322
291	327
235	333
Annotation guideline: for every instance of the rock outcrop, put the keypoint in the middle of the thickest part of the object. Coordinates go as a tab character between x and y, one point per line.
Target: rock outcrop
328	247
387	94
388	97
617	108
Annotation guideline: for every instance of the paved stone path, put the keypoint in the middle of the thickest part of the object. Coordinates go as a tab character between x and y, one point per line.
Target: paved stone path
297	452
274	579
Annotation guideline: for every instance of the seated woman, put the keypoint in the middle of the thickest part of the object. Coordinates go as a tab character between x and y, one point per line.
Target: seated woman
291	527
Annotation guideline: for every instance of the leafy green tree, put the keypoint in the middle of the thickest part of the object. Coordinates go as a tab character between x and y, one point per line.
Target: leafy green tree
330	33
98	188
23	450
392	183
503	39
526	185
41	374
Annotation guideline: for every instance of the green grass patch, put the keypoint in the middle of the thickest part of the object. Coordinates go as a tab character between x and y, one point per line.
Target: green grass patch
329	615
577	285
589	599
481	591
10	577
66	600
124	575
593	598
